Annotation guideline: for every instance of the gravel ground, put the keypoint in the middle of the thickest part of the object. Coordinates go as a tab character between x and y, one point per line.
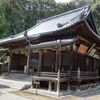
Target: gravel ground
41	97
5	95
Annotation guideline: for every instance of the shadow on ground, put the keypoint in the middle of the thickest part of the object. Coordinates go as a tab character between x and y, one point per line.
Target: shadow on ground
3	86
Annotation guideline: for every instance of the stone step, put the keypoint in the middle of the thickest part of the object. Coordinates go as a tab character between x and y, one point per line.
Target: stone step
15	84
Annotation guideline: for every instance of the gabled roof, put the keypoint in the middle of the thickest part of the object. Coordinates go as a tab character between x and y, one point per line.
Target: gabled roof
52	24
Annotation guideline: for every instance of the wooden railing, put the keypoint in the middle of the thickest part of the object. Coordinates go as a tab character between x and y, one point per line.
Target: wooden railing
49	75
65	76
83	74
46	74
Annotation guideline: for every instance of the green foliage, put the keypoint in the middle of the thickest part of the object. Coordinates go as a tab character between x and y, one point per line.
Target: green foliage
96	13
5	68
19	15
4	24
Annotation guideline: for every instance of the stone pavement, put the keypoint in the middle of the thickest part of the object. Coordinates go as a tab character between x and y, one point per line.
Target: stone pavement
5	95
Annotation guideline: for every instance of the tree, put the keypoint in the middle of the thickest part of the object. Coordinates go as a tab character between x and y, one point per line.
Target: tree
19	15
4	24
96	13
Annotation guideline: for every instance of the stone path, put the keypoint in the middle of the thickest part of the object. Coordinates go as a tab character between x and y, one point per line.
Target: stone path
5	95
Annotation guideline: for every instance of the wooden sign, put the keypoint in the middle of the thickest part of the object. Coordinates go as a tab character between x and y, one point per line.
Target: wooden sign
36	82
92	52
82	49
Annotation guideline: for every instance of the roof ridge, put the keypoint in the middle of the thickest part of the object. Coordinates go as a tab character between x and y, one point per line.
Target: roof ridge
52	17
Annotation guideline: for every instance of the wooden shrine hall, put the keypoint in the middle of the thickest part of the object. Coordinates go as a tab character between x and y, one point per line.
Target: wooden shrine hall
61	52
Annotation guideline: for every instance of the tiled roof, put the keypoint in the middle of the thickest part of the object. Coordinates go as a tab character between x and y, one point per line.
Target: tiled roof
52	43
52	24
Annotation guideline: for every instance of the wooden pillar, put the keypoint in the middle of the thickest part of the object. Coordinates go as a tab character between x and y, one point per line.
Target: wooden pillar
70	61
3	62
57	61
56	66
49	89
40	61
28	61
58	82
10	62
60	56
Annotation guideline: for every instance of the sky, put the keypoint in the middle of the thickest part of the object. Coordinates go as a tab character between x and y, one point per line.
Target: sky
62	0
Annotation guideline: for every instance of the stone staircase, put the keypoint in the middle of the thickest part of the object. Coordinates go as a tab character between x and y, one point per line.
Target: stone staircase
15	80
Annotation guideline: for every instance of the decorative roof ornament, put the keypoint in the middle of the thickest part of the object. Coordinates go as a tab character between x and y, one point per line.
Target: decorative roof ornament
59	25
83	15
12	36
38	21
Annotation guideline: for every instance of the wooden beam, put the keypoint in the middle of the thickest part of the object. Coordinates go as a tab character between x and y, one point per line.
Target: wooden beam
20	43
28	61
19	49
83	39
91	48
66	49
10	62
40	61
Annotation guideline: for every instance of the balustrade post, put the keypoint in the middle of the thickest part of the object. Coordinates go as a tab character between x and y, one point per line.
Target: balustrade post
97	83
78	80
58	84
68	83
89	85
32	83
78	73
49	89
68	86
